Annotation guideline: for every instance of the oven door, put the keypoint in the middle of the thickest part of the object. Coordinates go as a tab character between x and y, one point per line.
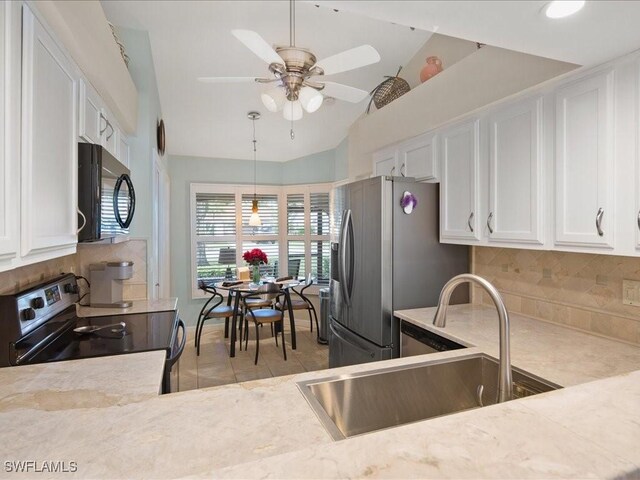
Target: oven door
171	378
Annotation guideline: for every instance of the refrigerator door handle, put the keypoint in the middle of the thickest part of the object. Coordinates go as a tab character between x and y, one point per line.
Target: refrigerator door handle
351	254
334	331
342	260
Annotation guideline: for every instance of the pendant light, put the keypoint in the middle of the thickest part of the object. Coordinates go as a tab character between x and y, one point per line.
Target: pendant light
254	220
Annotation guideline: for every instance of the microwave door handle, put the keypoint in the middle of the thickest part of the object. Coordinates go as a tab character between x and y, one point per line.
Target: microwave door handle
131	201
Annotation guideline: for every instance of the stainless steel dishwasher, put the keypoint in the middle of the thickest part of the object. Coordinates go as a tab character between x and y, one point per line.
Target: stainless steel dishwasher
415	340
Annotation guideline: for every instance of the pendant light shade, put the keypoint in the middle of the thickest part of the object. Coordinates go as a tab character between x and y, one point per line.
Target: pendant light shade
254	220
292	110
274	99
311	99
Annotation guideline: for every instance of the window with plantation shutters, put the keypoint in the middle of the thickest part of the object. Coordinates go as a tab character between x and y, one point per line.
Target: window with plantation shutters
319	202
294	233
295	214
215	228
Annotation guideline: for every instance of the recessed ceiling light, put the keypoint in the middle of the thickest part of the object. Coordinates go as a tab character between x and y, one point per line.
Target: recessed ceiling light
563	8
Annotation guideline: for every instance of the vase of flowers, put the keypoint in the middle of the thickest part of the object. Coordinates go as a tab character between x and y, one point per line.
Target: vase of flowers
255	258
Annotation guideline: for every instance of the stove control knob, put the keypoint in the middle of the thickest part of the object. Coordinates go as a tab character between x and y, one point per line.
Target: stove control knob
70	288
37	302
28	314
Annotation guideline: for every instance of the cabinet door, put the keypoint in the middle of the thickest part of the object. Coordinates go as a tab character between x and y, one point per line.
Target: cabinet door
515	173
89	114
459	202
123	149
9	136
418	157
385	162
49	142
108	133
584	156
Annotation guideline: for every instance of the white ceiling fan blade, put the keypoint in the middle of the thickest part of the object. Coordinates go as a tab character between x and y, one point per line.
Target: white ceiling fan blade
349	60
344	92
226	79
258	45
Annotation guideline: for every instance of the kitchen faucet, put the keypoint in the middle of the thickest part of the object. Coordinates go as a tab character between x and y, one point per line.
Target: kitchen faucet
505	386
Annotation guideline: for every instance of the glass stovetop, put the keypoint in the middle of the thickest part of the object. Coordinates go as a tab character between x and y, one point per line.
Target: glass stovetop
143	332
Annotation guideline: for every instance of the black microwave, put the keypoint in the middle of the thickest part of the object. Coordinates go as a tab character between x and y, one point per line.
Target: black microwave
106	198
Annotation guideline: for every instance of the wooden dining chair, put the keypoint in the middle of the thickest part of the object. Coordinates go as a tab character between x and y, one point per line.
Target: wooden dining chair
260	316
212	308
303	303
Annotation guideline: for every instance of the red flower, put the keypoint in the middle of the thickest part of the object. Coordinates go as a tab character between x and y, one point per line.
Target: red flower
255	257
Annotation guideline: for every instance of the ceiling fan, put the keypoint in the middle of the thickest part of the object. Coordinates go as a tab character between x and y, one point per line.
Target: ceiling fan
296	72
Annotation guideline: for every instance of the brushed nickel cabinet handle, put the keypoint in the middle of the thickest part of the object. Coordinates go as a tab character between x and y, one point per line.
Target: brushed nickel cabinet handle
489	222
599	221
401	169
639	220
392	170
469	222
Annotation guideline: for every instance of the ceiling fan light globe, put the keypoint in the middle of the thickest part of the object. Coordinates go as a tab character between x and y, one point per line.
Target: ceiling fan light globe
292	111
273	99
310	98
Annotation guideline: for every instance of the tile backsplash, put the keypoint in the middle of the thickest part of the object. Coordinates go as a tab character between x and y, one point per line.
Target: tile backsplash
17	279
133	250
583	291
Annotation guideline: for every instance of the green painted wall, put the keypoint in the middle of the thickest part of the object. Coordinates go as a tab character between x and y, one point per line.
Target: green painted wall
142	144
323	167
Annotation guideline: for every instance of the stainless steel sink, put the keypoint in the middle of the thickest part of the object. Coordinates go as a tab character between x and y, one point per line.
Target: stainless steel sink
350	405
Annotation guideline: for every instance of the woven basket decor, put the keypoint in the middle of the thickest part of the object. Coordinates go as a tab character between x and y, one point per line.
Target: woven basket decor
387	91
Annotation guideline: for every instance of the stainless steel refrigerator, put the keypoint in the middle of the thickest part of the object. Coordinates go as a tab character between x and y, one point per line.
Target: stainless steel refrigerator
383	259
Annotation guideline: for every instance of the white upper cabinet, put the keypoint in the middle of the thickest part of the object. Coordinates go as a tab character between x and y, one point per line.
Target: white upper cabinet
49	144
9	137
459	194
584	163
418	157
89	114
516	204
123	149
385	162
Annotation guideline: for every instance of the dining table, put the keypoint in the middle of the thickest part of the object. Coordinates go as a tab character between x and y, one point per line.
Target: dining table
242	289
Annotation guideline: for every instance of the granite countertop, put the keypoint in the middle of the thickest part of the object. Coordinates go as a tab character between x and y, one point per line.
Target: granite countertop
266	429
90	383
139	306
556	353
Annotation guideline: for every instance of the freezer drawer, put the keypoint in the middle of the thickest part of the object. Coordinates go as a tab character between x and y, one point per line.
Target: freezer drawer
347	348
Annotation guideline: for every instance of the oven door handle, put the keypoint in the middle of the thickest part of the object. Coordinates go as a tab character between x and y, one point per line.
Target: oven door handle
175	355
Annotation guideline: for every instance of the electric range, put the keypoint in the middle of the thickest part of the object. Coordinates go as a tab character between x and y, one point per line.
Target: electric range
37	326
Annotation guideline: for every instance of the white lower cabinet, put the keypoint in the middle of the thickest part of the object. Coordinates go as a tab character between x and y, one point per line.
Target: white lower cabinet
516	204
49	145
584	163
459	183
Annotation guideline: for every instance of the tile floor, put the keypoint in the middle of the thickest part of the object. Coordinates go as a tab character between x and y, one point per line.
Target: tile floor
214	367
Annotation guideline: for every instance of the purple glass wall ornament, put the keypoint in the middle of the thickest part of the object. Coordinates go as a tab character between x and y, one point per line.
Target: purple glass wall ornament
408	202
